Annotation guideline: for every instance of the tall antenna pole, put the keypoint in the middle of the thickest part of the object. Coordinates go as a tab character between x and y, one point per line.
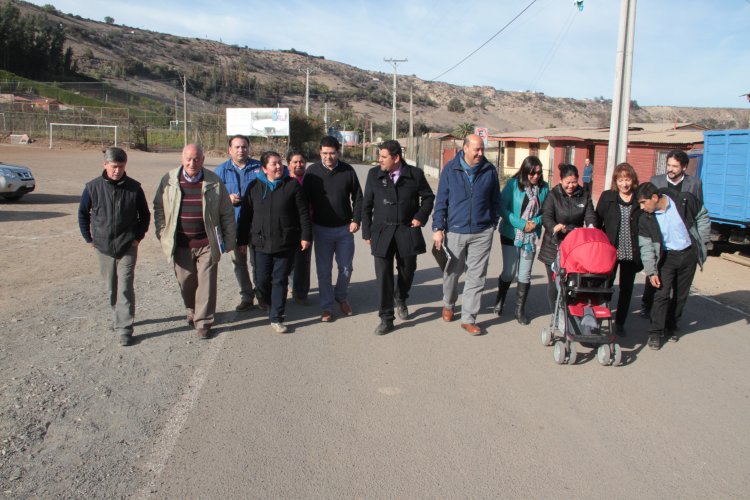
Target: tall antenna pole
394	63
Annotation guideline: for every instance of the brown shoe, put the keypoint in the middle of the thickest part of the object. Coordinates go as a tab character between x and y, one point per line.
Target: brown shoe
204	333
447	314
190	322
472	328
245	305
326	316
345	307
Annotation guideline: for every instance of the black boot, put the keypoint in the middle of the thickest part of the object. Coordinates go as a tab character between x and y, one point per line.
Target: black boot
502	291
522	293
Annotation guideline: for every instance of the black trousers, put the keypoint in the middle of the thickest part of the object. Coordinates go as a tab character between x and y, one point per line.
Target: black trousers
676	271
301	273
627	278
272	271
388	291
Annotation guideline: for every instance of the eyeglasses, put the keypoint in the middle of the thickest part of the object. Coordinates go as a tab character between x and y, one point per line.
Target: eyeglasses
535	173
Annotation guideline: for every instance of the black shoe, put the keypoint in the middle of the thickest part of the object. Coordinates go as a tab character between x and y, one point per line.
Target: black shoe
126	340
654	342
401	311
673	337
385	326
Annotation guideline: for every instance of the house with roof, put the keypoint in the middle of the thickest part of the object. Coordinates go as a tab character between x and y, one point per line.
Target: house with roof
648	145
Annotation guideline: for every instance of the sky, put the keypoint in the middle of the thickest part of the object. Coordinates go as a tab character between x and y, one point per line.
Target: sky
686	52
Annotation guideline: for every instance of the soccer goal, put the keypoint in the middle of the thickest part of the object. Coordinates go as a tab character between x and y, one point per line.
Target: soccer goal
52	125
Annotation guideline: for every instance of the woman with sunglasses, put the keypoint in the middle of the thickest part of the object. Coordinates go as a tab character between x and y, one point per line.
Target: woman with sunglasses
520	228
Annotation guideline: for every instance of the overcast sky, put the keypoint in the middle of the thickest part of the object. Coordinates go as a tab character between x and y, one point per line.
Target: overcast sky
687	52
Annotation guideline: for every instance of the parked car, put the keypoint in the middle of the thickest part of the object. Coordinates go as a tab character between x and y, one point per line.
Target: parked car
15	181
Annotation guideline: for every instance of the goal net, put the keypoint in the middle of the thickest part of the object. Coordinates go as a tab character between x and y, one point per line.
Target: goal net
81	132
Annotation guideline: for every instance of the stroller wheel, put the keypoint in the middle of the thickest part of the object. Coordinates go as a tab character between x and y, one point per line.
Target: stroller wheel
546	336
559	352
617	355
604	355
572	353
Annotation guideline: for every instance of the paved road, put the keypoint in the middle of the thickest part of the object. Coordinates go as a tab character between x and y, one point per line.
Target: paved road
333	411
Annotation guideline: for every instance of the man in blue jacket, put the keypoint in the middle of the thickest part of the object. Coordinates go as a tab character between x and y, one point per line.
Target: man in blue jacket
237	173
467	209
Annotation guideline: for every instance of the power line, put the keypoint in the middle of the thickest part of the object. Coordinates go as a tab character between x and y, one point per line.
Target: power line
555	47
485	43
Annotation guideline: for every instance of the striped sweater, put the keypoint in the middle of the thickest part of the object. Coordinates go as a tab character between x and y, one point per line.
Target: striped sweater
191	231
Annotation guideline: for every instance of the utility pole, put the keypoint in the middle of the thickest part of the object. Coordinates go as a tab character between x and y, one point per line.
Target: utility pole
364	136
394	63
307	90
325	116
184	109
411	111
618	129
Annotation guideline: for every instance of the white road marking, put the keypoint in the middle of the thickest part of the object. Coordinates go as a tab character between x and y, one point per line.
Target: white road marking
166	441
711	299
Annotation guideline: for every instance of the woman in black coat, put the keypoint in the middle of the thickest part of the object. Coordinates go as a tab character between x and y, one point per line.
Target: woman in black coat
567	207
274	217
618	213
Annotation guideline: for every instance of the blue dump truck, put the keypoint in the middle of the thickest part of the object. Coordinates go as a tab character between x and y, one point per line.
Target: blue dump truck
724	168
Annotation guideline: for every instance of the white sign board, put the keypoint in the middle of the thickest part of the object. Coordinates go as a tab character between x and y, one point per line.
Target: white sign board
261	122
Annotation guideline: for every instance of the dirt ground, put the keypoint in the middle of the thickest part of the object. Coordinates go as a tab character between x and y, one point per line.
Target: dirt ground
78	414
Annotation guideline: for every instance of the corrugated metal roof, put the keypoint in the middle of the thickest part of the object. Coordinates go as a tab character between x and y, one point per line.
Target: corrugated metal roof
602	134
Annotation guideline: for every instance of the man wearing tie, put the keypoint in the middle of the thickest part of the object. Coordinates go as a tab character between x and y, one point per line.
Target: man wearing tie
397	203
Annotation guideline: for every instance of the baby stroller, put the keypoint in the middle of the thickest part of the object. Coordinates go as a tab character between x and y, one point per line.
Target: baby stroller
583	274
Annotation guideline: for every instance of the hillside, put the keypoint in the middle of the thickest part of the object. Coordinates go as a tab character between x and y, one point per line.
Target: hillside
150	64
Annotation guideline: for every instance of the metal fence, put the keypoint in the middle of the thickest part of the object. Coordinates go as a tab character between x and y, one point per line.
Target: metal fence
143	130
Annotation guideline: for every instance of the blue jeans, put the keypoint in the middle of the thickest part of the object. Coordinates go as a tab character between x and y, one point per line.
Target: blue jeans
333	242
272	271
513	261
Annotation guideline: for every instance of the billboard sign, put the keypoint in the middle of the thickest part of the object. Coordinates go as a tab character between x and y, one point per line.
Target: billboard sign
259	122
483	133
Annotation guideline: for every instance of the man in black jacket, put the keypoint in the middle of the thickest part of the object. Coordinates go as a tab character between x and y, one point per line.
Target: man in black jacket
334	193
672	183
397	203
113	217
672	236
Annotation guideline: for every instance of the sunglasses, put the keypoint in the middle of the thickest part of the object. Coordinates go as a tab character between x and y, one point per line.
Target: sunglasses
535	172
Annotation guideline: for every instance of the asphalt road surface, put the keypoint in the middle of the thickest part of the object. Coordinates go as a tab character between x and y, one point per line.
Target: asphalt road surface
332	411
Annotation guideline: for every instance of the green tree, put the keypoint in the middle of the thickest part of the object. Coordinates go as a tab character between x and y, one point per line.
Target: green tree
456	106
109	20
463	129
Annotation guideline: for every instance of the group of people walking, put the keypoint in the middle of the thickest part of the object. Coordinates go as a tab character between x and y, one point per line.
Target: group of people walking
269	216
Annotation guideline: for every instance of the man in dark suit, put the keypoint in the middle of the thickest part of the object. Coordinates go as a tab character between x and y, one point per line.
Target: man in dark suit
397	203
672	183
